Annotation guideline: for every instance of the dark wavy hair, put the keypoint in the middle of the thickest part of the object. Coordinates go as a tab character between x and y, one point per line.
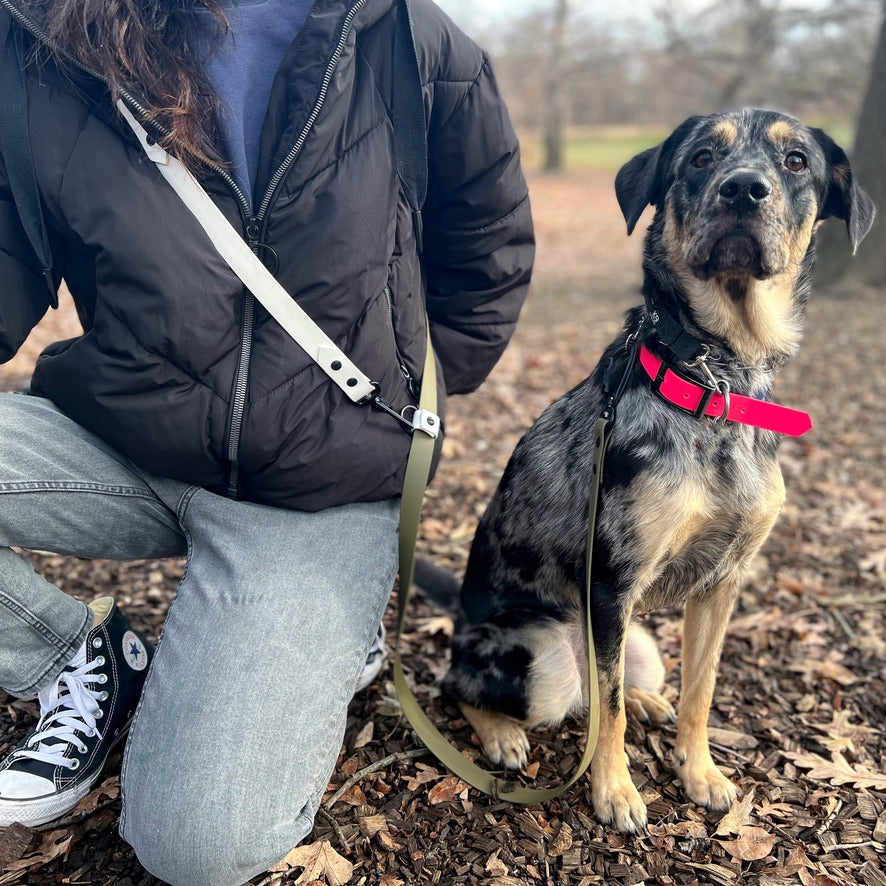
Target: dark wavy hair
147	47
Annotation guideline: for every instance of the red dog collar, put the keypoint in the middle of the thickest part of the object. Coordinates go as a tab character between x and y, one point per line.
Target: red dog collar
701	400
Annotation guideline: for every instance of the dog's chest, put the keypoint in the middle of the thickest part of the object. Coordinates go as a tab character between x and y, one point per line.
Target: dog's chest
698	513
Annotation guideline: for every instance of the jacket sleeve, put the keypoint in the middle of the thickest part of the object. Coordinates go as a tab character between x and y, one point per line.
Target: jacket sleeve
479	244
24	296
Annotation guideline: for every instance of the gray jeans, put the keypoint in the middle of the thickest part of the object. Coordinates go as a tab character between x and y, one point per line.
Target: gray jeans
242	716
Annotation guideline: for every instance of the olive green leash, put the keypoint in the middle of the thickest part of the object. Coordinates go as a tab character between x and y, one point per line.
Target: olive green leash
417	474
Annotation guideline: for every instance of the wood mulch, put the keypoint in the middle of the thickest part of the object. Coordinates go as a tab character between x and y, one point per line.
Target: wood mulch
798	714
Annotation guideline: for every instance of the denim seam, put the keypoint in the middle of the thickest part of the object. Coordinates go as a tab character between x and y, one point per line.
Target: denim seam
74	486
65	648
180	512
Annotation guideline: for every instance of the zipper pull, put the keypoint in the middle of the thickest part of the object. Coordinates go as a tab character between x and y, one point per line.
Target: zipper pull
253	232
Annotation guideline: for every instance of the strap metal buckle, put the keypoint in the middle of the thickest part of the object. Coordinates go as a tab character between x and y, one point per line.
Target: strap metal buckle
715	385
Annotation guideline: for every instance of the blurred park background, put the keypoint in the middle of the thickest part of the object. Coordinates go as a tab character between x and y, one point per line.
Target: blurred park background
589	82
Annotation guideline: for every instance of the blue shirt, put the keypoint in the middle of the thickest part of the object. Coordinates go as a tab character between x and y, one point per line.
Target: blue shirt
242	71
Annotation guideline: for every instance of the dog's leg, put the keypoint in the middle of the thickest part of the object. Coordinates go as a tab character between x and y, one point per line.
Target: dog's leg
644	678
616	801
705	622
703	632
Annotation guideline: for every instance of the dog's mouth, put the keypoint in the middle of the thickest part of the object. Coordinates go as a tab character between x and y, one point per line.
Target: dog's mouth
735	253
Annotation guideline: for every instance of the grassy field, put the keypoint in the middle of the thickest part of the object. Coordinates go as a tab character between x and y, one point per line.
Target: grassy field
602	148
605	148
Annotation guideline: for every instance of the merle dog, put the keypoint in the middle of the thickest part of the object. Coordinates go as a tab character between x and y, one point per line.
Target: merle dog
691	486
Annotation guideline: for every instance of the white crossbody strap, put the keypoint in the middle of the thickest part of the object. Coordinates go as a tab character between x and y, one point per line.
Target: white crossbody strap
254	275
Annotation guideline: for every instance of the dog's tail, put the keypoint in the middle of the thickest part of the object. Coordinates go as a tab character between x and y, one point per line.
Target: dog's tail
438	586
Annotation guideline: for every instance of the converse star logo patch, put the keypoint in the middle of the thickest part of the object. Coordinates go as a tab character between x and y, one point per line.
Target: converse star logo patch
134	652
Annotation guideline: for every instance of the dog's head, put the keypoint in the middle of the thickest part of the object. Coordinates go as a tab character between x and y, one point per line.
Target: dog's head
738	197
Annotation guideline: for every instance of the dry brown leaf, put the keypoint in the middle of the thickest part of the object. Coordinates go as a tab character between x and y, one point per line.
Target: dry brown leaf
390	880
423	775
752	844
729	738
354	796
796	861
776	810
738	816
318	860
531	769
837	771
364	736
446	790
109	790
53	845
830	670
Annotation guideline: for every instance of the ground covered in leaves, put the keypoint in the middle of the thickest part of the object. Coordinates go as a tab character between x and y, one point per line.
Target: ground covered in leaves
801	700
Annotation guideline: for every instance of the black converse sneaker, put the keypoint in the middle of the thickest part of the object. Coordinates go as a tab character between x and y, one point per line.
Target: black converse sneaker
83	714
375	658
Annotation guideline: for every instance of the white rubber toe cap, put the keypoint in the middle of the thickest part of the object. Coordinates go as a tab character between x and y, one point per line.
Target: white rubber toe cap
23	785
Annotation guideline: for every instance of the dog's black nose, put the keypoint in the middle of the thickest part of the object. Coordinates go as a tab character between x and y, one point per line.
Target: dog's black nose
744	190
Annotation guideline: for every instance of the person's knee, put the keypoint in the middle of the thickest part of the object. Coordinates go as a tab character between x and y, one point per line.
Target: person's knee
194	849
187	834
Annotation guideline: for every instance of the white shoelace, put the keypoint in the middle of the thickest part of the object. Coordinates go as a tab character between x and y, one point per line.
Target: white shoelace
64	715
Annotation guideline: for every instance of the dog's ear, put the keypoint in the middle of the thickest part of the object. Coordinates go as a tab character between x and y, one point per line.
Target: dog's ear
843	198
643	180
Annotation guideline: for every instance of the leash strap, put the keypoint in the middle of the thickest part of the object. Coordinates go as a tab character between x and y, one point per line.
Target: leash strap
701	400
437	743
253	274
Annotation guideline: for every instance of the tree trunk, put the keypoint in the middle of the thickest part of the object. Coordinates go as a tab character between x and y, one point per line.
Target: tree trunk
868	267
553	98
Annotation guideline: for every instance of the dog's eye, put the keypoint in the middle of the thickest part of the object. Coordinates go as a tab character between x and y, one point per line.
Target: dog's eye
795	162
703	158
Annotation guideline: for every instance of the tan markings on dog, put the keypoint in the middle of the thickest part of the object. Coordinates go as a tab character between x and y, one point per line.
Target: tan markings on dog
554	686
761	324
782	132
704	628
503	738
725	132
703	631
800	238
665	517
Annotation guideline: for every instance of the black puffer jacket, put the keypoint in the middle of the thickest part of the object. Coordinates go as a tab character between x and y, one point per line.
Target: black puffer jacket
180	368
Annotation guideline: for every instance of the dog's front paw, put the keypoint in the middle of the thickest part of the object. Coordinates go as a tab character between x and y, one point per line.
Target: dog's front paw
649	707
503	738
507	745
705	785
618	803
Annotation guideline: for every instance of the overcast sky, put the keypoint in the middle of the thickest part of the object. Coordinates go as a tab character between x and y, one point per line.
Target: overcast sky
479	17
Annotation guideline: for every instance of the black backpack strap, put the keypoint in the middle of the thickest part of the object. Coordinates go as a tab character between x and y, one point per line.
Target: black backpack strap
16	145
408	118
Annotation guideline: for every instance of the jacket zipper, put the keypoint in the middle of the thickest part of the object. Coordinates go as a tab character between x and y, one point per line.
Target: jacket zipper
411	384
255	227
